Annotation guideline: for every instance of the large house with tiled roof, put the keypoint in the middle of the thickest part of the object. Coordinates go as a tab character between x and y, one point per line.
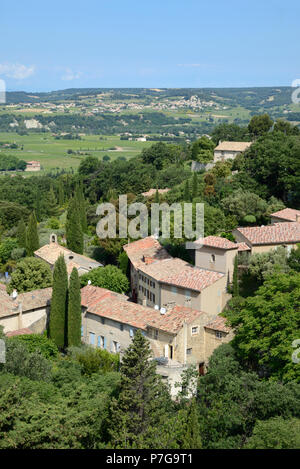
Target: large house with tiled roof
51	252
161	281
264	238
25	310
287	214
110	320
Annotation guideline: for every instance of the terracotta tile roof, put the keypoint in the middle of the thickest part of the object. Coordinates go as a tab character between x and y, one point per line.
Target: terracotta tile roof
51	252
107	304
35	299
218	324
279	233
179	273
216	242
243	247
145	248
174	319
289	214
233	146
29	300
153	191
24	331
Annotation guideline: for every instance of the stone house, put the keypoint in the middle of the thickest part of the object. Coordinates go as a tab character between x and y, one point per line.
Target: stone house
33	166
161	281
229	150
28	310
285	215
265	238
50	253
110	320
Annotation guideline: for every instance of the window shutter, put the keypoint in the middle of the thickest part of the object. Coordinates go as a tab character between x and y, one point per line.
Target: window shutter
104	342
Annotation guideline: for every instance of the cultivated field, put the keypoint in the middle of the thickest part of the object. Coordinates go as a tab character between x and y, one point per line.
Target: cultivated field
53	154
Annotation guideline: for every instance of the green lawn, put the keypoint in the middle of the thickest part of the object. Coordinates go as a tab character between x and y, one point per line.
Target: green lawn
53	154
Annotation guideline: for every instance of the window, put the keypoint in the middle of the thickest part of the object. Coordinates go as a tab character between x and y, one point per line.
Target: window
213	258
153	297
103	320
92	338
189	351
131	333
219	335
155	334
188	293
195	330
173	289
121	327
153	284
81	331
101	341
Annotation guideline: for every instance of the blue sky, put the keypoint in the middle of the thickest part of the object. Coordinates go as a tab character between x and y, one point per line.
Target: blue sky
142	43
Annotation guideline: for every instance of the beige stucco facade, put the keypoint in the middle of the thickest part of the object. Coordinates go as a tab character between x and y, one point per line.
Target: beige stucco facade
218	260
26	319
260	248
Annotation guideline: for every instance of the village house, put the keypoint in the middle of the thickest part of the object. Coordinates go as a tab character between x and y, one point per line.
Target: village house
217	254
33	166
28	310
229	150
50	253
265	238
287	214
182	336
161	281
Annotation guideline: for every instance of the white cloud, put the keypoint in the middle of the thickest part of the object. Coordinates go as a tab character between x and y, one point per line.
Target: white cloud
70	75
17	71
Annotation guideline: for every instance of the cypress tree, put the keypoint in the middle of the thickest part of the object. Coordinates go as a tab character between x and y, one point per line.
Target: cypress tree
32	237
38	207
21	234
61	193
235	278
74	232
143	402
52	208
74	310
187	194
156	199
81	206
195	186
58	311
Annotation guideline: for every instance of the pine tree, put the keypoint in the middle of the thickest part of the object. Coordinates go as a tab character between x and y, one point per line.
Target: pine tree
143	402
195	186
32	237
235	278
74	310
74	232
21	234
58	311
187	194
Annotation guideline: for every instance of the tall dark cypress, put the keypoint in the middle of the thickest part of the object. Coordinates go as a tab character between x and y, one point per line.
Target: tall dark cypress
195	186
74	310
32	237
74	232
79	197
58	311
61	193
235	279
21	234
